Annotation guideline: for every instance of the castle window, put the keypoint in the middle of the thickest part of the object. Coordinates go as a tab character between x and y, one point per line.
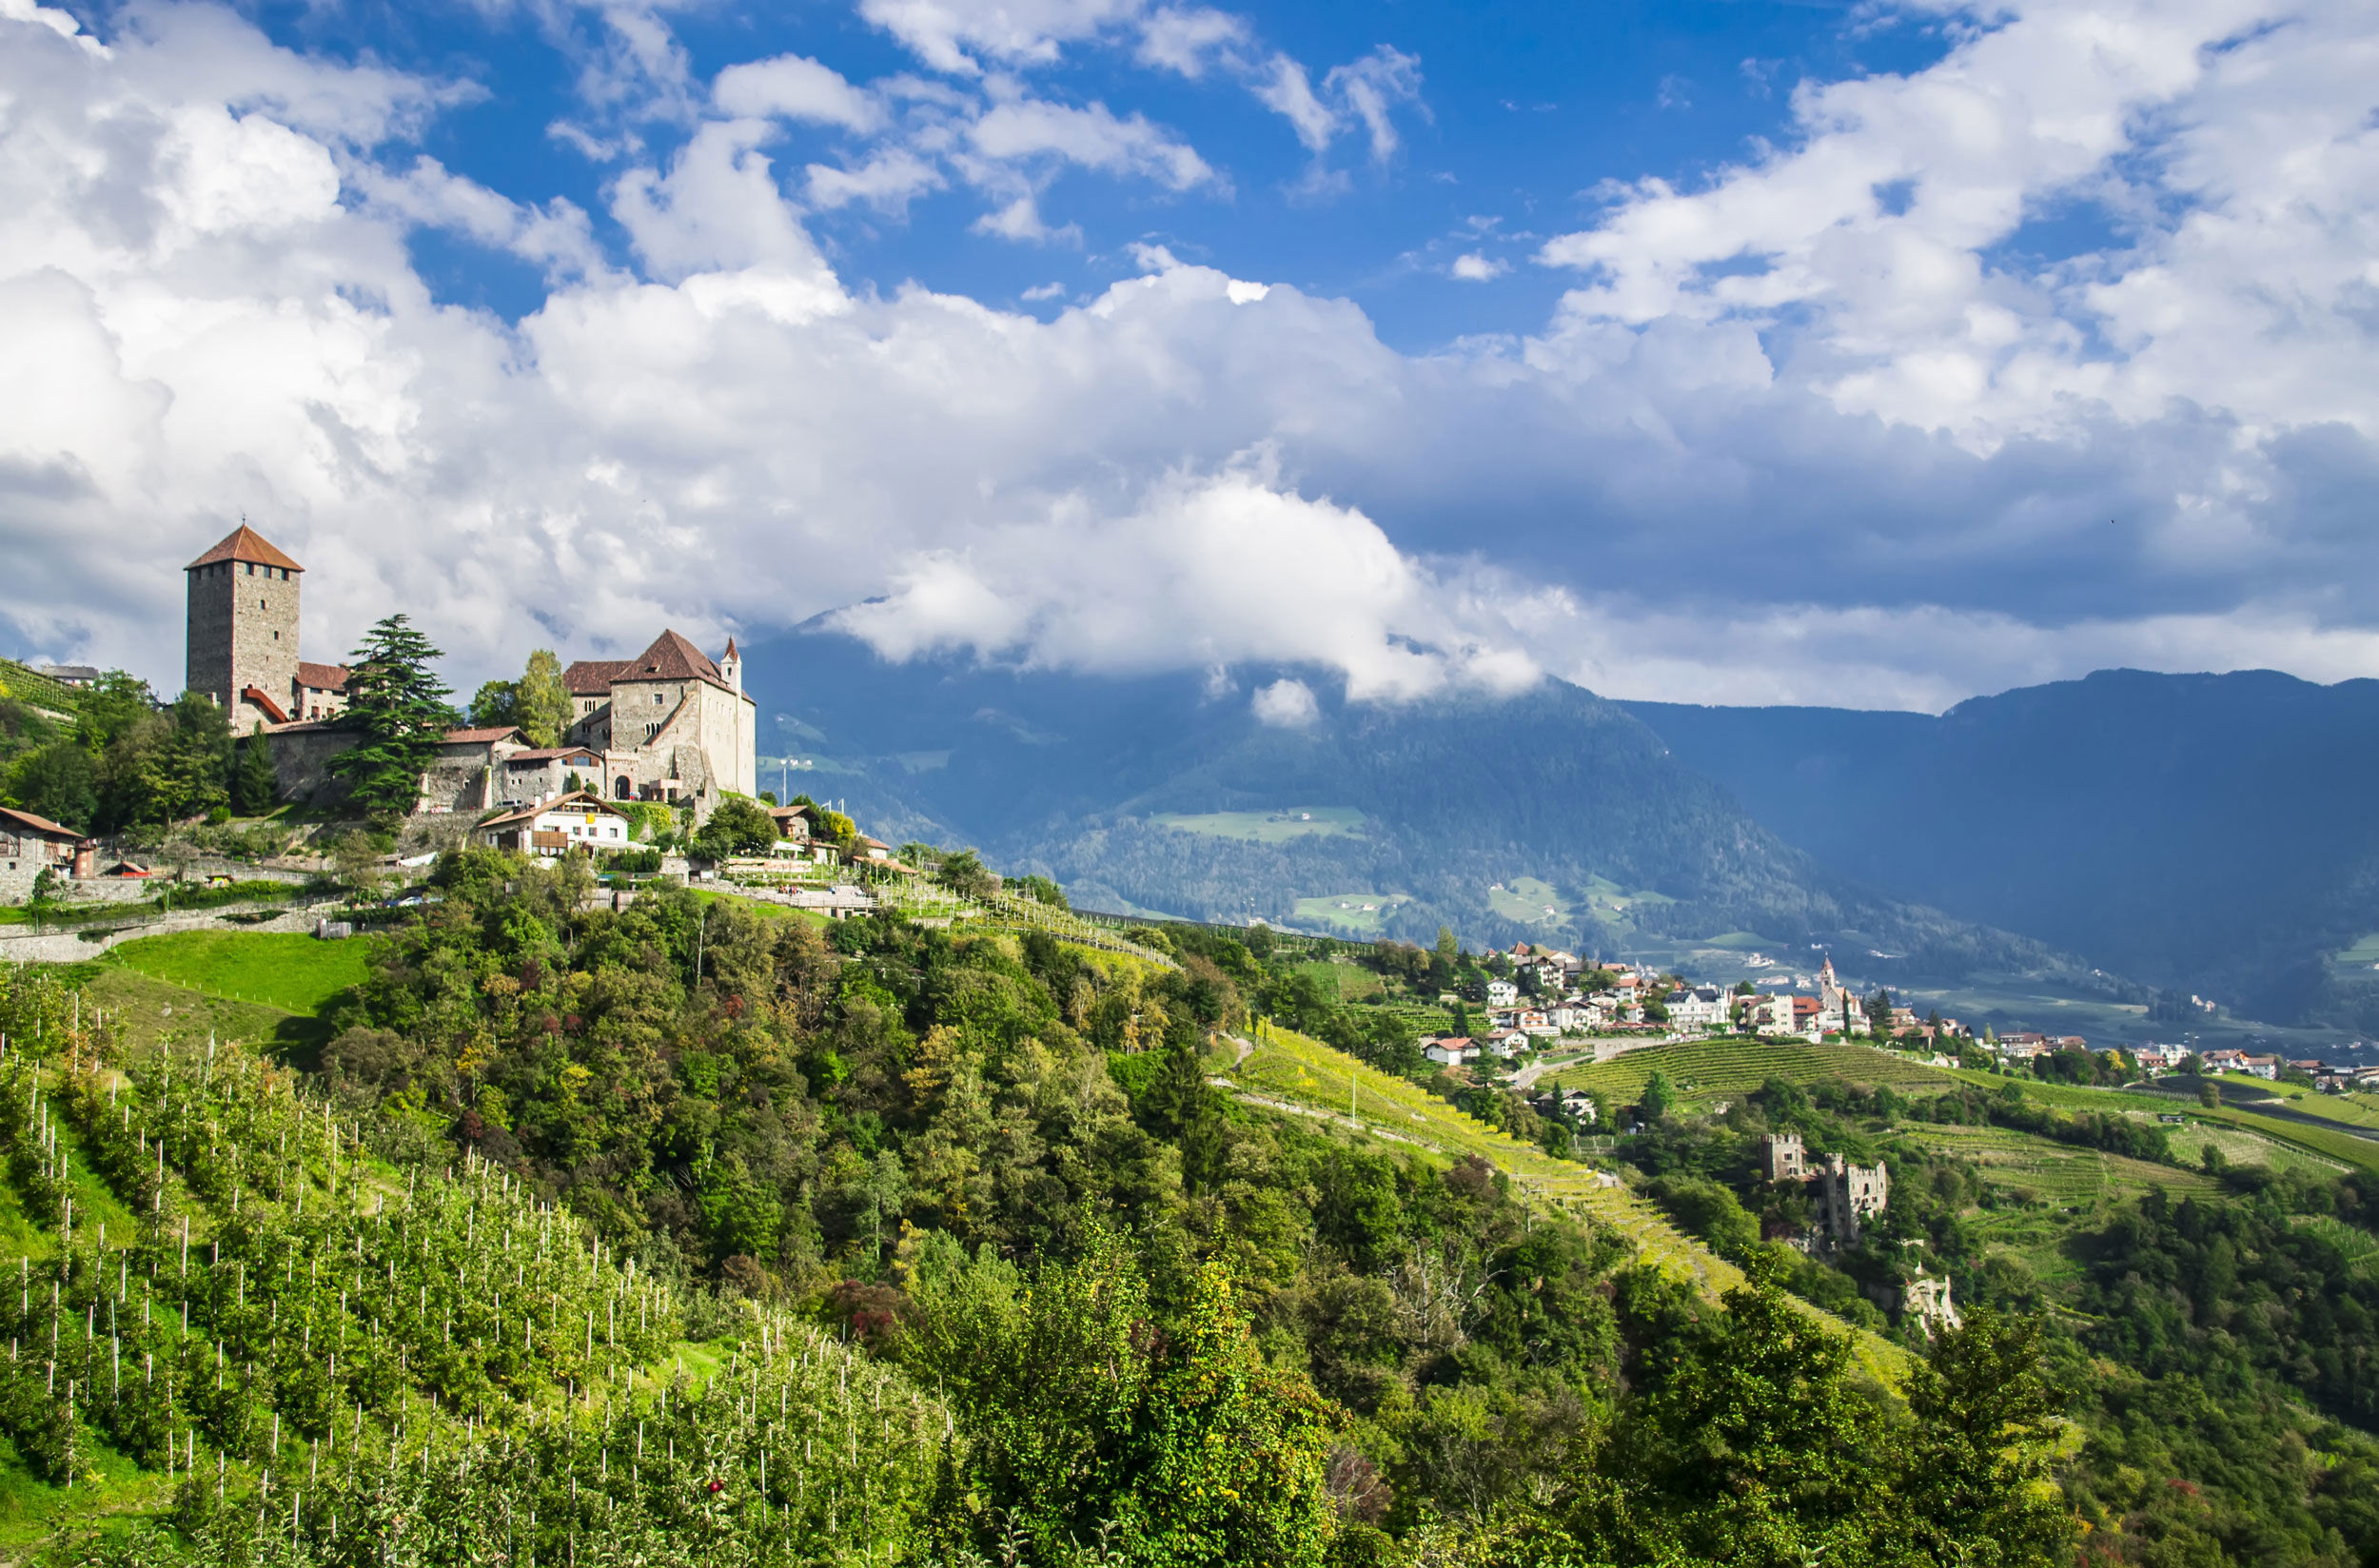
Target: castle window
251	568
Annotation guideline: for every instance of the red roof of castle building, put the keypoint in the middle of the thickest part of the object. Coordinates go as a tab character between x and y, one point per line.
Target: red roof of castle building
670	658
27	822
245	543
592	677
261	699
324	677
478	738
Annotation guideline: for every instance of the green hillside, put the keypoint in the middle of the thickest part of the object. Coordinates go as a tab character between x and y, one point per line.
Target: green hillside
288	971
1703	1070
688	1233
28	686
250	1308
1285	1069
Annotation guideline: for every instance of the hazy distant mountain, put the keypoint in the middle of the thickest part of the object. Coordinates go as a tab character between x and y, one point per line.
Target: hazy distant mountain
1165	793
2210	833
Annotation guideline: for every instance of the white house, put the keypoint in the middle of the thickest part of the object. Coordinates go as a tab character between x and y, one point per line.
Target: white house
1501	993
579	823
1508	1041
1772	1014
1450	1050
1700	1007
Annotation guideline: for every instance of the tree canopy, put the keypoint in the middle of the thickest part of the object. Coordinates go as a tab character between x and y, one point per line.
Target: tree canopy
399	707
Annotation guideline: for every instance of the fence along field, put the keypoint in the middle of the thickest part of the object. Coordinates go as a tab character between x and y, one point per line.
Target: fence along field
298	1350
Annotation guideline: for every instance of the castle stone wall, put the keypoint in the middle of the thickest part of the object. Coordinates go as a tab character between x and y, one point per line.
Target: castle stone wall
243	632
300	753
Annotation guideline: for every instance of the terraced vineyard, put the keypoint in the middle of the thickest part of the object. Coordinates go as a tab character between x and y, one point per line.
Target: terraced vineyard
2358	1246
1720	1068
457	1369
2017	1164
2241	1147
1287	1071
2334	1147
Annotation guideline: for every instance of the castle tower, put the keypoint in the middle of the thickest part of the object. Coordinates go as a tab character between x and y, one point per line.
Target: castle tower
731	666
242	649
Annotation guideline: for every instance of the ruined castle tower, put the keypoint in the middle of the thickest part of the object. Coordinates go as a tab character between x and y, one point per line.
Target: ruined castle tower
242	649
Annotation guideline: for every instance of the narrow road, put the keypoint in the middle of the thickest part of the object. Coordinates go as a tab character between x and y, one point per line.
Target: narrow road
1527	1077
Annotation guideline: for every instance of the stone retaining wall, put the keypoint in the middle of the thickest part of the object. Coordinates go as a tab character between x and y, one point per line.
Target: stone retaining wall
18	945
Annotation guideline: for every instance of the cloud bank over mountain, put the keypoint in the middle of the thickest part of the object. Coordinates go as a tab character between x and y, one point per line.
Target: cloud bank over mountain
2054	353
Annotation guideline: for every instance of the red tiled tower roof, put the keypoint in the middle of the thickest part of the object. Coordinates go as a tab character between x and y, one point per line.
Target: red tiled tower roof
245	543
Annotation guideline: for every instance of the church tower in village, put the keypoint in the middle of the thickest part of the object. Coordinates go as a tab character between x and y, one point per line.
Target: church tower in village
242	629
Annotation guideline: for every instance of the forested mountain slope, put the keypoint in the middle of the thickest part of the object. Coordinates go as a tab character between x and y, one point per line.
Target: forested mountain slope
1166	793
695	1232
2206	833
534	1269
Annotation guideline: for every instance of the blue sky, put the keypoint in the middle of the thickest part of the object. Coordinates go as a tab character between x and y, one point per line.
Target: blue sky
1879	355
1522	113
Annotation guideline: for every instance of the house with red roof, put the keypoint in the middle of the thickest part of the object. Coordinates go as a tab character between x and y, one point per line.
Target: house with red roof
30	845
672	723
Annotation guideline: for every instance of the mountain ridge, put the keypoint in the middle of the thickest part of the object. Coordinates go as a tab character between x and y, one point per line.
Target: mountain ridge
2200	831
1459	800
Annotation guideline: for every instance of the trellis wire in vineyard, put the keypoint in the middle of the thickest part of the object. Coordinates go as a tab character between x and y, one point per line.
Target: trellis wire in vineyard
435	1358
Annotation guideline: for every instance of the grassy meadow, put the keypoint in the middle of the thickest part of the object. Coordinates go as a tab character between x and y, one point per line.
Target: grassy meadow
285	969
1268	827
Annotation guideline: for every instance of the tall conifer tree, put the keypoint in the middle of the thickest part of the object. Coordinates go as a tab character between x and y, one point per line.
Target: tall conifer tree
401	707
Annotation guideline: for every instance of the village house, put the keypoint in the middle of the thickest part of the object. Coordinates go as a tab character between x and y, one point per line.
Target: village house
30	845
1501	993
581	823
1507	1042
1697	1007
1772	1013
1450	1049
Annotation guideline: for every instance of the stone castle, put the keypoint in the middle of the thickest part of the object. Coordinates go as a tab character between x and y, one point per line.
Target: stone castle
669	725
242	637
1845	1194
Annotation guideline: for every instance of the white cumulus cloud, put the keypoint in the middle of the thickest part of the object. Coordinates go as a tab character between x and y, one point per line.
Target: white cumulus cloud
1285	705
795	88
1826	427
